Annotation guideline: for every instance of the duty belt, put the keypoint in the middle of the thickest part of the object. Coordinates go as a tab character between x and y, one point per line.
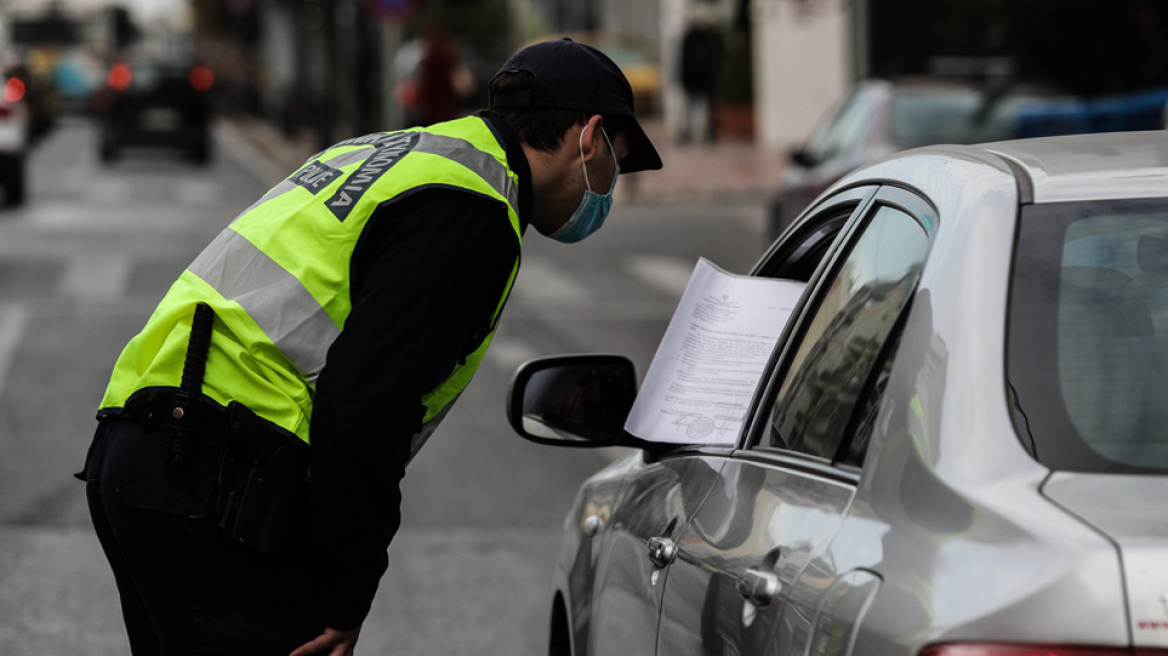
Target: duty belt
154	407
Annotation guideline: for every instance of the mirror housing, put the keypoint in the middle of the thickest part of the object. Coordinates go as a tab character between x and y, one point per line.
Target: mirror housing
573	400
803	159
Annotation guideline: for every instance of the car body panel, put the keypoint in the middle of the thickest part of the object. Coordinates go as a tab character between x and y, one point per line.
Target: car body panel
758	518
1129	510
1061	172
14	130
634	501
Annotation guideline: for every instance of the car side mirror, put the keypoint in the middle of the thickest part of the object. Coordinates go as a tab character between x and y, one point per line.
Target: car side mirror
802	158
572	400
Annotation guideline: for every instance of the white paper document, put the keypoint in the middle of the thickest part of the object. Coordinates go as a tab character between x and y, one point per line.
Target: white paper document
700	383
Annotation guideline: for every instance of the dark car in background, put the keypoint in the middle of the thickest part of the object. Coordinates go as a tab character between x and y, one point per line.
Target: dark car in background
156	102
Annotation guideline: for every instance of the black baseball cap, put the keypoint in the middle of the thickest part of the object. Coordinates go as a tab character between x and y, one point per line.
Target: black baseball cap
574	76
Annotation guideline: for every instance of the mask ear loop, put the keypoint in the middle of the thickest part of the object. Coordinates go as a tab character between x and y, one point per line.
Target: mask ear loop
584	166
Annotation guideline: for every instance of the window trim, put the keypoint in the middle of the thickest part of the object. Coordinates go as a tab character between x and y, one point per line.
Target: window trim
901	198
800	462
811	226
859	198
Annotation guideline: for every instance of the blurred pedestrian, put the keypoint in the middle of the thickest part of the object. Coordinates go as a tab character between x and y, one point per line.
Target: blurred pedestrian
444	80
328	330
700	54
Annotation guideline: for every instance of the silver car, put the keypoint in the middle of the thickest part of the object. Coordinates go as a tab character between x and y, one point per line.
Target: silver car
955	448
879	117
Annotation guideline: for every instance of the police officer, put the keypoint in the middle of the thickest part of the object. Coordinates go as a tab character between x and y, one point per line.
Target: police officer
244	477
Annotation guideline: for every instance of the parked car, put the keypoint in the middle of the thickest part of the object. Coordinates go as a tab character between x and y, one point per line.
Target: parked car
15	137
879	117
155	102
955	448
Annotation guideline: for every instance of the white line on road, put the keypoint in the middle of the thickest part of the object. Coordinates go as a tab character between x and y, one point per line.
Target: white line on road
13	319
542	281
198	192
92	275
111	190
665	273
508	354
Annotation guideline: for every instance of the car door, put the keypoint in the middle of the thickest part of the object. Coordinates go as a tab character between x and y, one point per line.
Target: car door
748	577
659	494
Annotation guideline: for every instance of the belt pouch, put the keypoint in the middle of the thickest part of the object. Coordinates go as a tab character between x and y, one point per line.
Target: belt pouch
261	477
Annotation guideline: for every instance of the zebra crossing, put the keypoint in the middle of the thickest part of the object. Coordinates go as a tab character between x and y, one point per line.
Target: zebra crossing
548	288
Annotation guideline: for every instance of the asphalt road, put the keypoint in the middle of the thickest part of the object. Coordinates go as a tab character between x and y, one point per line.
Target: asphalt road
84	262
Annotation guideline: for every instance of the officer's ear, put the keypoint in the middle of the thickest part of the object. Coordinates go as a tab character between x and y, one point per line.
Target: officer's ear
591	139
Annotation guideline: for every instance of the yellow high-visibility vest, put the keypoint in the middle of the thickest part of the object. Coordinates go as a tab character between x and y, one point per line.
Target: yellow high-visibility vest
278	276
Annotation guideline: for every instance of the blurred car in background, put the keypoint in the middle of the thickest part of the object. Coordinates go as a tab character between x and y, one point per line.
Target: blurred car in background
155	102
76	76
40	92
16	134
955	447
879	117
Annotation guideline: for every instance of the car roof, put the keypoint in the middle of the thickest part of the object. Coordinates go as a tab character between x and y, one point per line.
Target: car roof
1092	166
1044	170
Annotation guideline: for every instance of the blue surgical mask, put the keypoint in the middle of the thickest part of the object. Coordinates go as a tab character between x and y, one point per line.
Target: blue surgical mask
594	207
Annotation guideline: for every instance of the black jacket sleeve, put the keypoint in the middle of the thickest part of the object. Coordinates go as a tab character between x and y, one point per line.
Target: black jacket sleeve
426	277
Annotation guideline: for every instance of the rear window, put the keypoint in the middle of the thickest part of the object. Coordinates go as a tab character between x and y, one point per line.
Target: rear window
1088	335
149	74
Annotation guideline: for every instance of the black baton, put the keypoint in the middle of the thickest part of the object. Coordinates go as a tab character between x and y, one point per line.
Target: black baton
184	416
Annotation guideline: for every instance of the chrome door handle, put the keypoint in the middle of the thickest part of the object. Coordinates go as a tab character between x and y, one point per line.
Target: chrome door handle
758	587
662	551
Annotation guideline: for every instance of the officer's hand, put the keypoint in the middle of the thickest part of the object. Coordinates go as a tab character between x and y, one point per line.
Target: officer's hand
333	643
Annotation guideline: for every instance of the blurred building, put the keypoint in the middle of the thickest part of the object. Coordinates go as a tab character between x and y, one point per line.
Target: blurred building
327	67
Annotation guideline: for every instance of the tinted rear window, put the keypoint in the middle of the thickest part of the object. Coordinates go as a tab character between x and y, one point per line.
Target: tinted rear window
148	74
1088	335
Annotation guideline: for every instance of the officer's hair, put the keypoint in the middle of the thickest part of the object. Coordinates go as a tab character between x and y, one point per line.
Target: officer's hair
540	127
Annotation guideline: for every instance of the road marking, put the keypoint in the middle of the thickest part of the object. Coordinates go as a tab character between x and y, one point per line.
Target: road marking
111	190
508	354
665	273
198	192
542	281
92	275
13	319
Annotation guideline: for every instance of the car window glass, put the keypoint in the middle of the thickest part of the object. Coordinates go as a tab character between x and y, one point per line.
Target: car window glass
856	447
843	130
1087	352
846	334
921	117
798	257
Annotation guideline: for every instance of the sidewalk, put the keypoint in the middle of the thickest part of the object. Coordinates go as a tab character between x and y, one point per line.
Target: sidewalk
730	171
724	170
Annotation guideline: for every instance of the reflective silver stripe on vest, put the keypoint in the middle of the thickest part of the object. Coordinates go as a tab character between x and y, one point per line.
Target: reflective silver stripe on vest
481	162
462	151
275	299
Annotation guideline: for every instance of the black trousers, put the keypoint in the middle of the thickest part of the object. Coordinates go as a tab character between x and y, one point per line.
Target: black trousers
184	587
